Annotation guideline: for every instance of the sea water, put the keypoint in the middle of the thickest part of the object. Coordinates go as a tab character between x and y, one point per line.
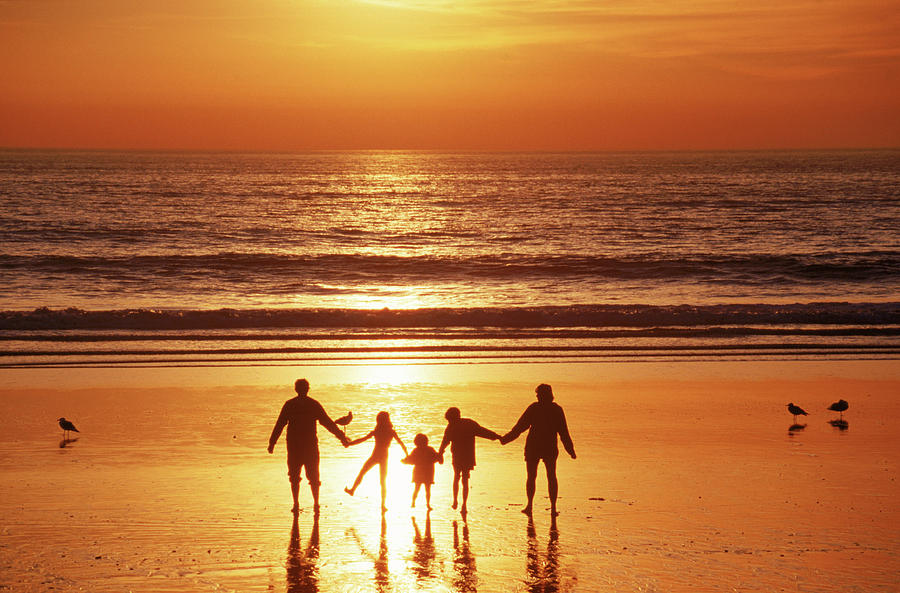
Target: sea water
108	257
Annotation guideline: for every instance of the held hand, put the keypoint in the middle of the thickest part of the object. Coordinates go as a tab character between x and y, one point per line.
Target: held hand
271	448
572	454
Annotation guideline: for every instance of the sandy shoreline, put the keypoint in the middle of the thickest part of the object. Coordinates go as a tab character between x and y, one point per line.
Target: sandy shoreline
688	479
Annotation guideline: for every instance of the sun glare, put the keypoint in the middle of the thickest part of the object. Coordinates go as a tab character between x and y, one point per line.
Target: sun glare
392	375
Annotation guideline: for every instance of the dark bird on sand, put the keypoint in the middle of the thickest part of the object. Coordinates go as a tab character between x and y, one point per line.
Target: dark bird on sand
840	405
796	411
67	427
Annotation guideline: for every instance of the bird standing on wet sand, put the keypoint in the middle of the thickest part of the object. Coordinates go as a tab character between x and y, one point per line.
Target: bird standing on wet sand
796	411
67	427
840	405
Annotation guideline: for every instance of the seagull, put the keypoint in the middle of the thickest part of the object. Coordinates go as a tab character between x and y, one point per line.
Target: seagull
344	421
840	405
796	411
67	426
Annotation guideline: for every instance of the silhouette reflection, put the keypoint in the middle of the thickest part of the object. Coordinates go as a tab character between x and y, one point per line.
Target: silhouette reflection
796	428
65	442
466	578
423	552
303	564
839	424
382	569
543	574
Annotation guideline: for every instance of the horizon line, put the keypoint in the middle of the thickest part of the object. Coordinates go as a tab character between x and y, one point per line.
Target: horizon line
445	150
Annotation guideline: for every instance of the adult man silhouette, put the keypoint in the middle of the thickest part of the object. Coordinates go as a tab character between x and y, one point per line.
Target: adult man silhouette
544	420
300	414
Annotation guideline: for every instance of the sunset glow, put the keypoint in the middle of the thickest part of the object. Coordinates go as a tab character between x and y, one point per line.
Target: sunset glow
445	296
483	74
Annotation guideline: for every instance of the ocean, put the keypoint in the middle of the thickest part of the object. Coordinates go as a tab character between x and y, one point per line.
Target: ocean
117	258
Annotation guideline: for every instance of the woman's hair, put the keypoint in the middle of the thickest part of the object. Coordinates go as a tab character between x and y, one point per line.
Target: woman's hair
421	440
383	419
544	393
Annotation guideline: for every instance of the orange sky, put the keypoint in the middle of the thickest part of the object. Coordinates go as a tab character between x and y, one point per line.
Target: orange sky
479	74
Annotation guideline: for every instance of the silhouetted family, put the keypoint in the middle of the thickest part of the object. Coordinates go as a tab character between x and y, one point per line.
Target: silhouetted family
544	420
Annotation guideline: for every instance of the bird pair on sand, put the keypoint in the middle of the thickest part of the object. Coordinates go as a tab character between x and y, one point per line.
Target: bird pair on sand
839	406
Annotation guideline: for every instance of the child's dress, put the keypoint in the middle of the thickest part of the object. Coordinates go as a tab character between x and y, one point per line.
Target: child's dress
422	459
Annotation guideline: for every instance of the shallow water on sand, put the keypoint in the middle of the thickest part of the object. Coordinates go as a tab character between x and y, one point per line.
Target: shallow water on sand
688	478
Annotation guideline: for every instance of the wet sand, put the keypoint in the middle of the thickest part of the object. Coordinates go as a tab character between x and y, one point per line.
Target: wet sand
688	478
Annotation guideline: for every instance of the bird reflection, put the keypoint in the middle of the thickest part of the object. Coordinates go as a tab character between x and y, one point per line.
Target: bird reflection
839	424
466	578
795	428
382	568
65	442
423	553
303	564
543	575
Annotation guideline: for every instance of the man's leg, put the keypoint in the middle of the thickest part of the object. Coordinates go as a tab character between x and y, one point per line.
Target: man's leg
294	462
312	474
456	474
531	466
295	493
314	490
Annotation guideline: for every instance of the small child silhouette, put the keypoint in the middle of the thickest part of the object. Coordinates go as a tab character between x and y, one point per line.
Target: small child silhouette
384	434
422	458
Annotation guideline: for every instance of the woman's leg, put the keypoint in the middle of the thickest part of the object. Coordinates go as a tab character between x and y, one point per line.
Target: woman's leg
530	479
552	484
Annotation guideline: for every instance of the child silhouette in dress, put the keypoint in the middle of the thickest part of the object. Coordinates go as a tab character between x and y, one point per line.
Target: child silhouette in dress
384	434
422	458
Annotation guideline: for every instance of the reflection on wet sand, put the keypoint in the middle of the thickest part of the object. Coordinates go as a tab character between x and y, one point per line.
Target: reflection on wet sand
63	443
423	552
303	564
466	577
382	569
543	575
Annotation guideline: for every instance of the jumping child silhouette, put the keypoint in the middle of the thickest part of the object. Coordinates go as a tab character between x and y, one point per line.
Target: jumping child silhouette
422	458
384	434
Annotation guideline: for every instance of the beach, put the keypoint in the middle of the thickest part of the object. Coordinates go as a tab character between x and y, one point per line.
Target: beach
688	478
